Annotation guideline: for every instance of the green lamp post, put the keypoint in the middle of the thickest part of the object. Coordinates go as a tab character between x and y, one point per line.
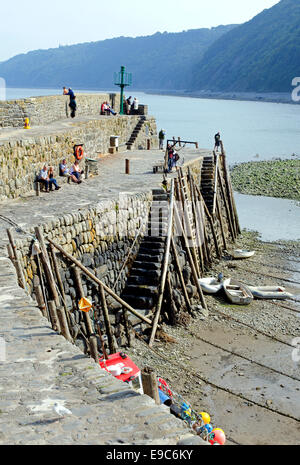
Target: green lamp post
122	80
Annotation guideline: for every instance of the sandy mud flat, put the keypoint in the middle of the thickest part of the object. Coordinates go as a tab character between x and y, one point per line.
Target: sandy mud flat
237	362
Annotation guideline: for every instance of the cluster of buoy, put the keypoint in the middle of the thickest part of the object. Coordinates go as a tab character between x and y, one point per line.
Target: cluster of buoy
200	423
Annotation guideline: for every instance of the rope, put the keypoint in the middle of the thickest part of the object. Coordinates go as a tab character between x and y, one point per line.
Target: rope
16	226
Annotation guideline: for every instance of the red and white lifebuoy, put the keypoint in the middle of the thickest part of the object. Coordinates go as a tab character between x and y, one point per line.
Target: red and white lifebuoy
79	152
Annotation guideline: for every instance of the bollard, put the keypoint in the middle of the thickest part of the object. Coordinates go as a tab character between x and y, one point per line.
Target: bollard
150	384
26	124
127	168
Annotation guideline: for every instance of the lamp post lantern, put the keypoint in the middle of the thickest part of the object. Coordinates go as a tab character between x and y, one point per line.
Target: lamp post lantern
122	80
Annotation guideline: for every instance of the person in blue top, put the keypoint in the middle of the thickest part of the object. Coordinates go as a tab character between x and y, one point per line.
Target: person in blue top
72	103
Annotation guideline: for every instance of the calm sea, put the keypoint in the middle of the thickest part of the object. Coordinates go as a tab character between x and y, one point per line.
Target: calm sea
249	130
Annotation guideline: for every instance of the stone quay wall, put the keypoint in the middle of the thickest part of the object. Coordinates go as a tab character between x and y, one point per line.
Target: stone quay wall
21	159
45	110
100	238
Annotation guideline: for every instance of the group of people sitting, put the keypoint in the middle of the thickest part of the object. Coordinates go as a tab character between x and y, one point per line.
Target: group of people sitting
106	109
47	179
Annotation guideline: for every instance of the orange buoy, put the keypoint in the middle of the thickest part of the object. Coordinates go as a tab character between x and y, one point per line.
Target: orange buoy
85	305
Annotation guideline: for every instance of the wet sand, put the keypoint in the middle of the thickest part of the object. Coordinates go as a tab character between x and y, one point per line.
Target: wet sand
254	395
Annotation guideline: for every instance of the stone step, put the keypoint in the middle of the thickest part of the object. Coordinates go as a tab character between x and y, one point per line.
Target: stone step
134	320
152	244
138	301
160	197
148	251
158	192
147	265
140	280
142	290
154	239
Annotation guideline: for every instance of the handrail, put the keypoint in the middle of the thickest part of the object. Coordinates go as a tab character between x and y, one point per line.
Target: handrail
165	266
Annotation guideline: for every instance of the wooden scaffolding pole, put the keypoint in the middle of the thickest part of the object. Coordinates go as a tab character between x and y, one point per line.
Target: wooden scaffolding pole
165	266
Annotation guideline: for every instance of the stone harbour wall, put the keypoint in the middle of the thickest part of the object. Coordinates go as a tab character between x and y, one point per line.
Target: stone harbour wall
100	238
21	159
44	110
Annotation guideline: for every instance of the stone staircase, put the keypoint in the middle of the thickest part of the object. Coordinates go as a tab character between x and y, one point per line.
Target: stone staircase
142	287
207	181
135	132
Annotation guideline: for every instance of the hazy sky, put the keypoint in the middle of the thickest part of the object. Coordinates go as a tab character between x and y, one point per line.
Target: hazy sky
35	24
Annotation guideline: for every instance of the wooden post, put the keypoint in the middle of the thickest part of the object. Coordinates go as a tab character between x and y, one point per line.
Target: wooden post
10	252
183	286
94	348
190	258
228	210
46	265
86	316
40	272
212	227
59	280
165	266
230	194
64	324
150	386
96	280
201	215
221	223
173	309
39	296
125	321
197	226
112	347
16	262
54	316
127	166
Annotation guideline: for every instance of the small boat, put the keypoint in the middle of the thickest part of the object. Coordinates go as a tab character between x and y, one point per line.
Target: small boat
123	368
241	253
270	292
237	292
210	285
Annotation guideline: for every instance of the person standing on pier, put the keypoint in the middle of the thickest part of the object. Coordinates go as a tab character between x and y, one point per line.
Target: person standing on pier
217	141
72	103
161	137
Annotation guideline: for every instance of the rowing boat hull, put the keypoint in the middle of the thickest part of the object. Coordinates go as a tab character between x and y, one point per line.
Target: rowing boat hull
270	292
237	293
242	254
210	285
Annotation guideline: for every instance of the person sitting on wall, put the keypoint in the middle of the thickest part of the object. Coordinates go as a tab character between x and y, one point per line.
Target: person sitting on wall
52	180
43	178
109	109
65	171
76	172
